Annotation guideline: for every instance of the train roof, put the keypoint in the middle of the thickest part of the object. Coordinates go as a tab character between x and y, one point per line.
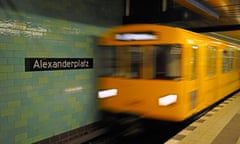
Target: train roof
171	31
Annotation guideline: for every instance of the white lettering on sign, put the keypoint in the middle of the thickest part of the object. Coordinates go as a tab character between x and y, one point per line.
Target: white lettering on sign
135	36
65	64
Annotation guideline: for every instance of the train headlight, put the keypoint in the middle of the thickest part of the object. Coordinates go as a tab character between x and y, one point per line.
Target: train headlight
107	93
167	100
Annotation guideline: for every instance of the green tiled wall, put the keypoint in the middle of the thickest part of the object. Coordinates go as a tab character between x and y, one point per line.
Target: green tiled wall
37	105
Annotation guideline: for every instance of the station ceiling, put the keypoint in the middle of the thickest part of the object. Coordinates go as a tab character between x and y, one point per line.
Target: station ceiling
218	18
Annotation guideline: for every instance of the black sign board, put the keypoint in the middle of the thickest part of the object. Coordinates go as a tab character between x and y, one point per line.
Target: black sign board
50	64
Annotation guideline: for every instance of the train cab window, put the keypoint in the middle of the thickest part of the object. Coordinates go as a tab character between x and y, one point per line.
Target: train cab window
145	62
119	61
168	62
128	61
211	60
135	61
148	62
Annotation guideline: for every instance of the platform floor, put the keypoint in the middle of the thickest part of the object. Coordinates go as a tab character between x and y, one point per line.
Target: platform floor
221	125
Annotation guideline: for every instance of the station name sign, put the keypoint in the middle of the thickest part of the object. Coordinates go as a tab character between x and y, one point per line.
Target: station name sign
50	64
135	36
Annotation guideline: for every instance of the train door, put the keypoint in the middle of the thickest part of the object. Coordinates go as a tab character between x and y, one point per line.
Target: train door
194	91
211	79
191	78
202	97
238	65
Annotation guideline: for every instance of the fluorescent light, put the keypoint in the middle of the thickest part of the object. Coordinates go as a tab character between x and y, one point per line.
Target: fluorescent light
199	7
73	89
107	93
198	4
167	100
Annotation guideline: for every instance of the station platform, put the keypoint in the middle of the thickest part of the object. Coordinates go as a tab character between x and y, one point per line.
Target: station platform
221	125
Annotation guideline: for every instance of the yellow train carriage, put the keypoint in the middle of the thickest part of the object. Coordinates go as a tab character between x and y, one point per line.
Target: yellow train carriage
162	72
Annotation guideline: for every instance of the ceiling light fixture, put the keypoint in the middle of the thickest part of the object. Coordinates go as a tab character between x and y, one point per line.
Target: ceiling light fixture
199	7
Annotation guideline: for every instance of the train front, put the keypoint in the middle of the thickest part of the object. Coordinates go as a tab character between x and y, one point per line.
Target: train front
139	78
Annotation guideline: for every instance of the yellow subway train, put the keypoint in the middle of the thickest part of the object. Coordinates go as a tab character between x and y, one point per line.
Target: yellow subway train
163	73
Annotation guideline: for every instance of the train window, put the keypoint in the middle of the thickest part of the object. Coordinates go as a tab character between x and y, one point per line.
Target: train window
238	60
194	61
168	62
227	62
211	60
230	59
